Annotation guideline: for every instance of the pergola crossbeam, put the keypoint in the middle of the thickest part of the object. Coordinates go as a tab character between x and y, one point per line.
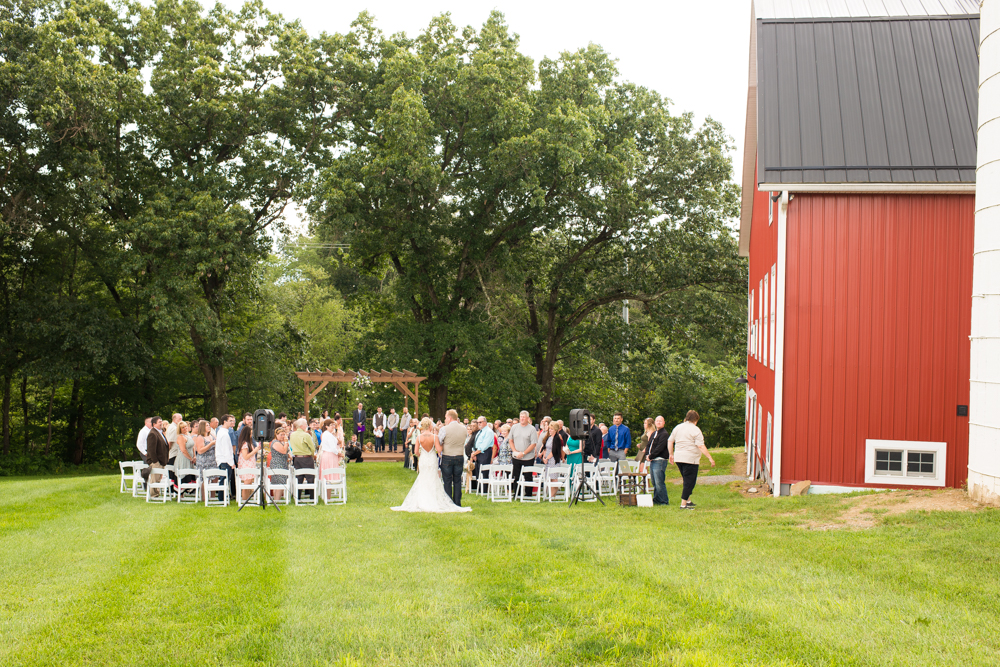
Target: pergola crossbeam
316	380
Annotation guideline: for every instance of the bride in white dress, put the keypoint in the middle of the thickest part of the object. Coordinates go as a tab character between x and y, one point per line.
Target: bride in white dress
427	493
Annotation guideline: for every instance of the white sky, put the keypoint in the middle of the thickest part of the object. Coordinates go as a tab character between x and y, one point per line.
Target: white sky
694	53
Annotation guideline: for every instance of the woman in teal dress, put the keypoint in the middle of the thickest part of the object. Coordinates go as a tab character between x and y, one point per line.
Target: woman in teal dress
574	456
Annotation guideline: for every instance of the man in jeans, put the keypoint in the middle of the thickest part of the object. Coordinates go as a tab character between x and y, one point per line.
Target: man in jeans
523	439
618	440
658	454
391	423
452	436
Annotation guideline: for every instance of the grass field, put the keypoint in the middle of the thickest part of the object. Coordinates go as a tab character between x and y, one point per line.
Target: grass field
89	576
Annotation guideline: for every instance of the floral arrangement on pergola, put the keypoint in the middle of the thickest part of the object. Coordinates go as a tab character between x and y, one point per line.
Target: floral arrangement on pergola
316	381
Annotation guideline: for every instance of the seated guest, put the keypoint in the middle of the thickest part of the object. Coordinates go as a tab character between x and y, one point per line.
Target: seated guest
279	460
248	458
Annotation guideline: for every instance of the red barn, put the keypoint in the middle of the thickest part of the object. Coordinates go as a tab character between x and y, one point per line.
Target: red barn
858	219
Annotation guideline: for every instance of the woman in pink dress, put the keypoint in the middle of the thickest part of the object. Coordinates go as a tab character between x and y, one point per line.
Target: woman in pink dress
331	448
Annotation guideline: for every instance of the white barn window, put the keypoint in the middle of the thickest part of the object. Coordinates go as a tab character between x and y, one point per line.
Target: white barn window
773	318
905	462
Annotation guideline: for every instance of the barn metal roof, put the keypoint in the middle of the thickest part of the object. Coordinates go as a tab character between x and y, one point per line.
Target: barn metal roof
861	95
797	9
867	101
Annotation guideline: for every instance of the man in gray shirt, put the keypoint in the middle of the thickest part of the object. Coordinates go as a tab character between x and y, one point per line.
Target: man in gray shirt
522	442
452	436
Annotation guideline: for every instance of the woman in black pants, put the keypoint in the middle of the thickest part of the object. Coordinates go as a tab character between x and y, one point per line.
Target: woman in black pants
686	445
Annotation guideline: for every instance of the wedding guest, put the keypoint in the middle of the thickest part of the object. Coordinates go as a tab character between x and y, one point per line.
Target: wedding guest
555	451
543	437
378	429
470	439
354	451
317	432
523	443
248	458
185	460
279	460
504	452
330	450
360	419
391	424
204	449
303	446
595	442
686	446
140	441
224	450
171	435
483	447
657	454
618	440
246	424
648	428
213	426
157	450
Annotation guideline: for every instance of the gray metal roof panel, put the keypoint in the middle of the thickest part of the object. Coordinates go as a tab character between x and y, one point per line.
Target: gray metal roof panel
867	101
799	9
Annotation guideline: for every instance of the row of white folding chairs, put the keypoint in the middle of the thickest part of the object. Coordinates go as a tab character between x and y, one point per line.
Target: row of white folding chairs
497	483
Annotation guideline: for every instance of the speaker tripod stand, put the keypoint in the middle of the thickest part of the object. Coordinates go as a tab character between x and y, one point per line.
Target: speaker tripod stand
584	484
261	489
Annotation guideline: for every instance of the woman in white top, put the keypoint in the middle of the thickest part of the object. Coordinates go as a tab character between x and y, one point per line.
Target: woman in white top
331	449
686	445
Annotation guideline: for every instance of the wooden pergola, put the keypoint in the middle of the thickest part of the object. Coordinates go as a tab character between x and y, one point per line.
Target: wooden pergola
316	381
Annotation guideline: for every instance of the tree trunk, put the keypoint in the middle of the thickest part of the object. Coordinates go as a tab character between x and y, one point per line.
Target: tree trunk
215	378
48	419
545	369
24	410
438	403
6	414
78	456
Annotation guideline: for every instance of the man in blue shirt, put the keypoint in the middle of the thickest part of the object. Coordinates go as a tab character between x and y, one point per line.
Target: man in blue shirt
483	448
618	440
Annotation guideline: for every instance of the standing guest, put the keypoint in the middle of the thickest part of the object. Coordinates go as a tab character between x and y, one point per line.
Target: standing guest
140	441
354	452
360	418
317	432
618	440
648	428
186	457
204	449
404	430
378	429
574	451
213	427
466	421
686	446
483	447
248	458
303	447
452	437
555	451
323	417
496	426
330	450
523	443
279	460
224	447
543	437
392	423
157	451
470	439
171	435
595	443
504	451
657	453
246	424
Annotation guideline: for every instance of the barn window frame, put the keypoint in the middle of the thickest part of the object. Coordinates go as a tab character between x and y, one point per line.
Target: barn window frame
902	452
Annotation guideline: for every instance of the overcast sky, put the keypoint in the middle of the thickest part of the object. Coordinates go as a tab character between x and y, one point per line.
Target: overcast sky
694	53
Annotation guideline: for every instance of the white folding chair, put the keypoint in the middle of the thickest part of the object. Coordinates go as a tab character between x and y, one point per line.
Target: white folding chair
535	474
216	483
606	476
500	483
557	478
138	483
241	486
270	485
483	481
127	478
302	486
334	491
163	486
189	491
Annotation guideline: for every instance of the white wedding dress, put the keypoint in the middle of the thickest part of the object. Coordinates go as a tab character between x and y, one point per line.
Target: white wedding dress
427	493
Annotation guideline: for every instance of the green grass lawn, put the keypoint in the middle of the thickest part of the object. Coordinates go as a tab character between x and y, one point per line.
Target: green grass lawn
89	576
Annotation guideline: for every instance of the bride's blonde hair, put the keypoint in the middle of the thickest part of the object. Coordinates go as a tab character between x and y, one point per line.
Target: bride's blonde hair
426	424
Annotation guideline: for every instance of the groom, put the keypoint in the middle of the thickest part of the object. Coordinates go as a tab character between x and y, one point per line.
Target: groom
452	436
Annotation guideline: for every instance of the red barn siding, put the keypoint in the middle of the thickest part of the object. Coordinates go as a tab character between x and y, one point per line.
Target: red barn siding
877	322
763	255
